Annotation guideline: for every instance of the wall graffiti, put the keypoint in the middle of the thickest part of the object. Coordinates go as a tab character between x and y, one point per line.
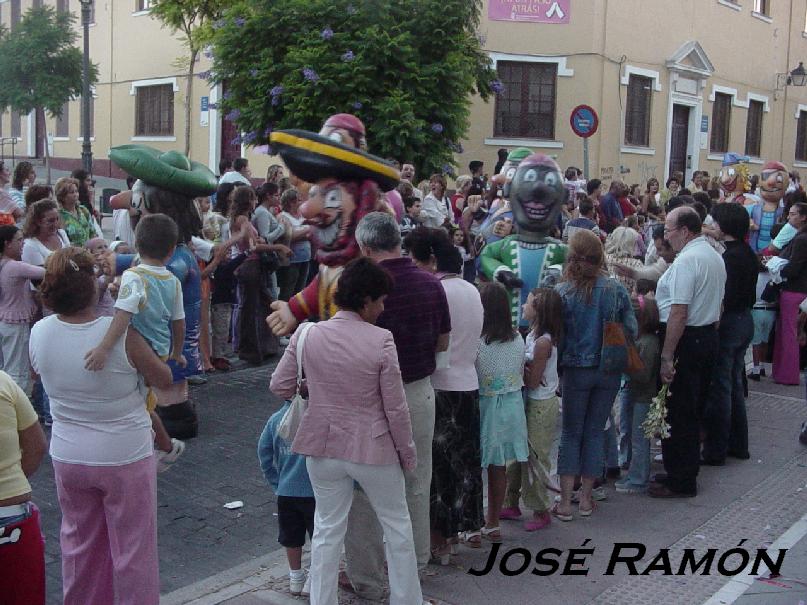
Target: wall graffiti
647	171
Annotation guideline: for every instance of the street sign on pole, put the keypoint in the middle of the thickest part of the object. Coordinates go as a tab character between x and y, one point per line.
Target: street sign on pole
584	122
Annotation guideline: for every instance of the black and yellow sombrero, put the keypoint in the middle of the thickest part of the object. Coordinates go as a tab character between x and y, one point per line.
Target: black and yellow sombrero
170	170
311	157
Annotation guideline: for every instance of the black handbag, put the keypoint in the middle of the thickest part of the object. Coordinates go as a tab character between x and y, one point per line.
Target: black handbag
771	292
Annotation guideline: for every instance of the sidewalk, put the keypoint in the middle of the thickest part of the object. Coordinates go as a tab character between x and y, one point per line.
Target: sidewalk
757	500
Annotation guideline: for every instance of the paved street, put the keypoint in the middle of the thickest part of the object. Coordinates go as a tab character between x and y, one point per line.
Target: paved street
210	555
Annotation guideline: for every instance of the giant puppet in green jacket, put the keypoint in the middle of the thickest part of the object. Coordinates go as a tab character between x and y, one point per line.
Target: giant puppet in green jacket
529	258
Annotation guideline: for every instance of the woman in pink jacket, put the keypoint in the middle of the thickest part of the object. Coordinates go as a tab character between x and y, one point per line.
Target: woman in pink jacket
356	428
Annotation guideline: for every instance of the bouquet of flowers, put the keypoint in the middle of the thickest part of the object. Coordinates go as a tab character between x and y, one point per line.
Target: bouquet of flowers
656	421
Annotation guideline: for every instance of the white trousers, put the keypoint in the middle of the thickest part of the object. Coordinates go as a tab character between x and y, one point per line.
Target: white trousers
363	545
332	481
14	350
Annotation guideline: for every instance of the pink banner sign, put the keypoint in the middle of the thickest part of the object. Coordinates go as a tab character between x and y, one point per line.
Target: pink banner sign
532	11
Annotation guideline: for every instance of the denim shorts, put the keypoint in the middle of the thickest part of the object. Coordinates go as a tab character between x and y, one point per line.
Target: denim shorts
763	324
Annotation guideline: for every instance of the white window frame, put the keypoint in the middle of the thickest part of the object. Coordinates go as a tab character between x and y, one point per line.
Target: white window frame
640	71
563	71
730	4
153	82
752	96
144	11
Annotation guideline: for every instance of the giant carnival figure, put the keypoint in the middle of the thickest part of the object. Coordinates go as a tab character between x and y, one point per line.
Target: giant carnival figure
168	184
735	180
529	258
499	220
346	182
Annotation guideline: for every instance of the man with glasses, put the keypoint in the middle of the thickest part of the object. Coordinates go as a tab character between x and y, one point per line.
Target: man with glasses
689	296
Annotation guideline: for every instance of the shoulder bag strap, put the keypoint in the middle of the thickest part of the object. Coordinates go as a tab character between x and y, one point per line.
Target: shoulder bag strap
300	343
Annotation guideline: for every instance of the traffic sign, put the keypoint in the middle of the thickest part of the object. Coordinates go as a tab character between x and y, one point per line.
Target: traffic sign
584	121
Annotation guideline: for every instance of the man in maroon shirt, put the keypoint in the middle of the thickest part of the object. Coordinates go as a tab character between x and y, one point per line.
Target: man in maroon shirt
416	312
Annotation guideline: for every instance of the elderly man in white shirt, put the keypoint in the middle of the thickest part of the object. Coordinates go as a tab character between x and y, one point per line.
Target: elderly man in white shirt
689	296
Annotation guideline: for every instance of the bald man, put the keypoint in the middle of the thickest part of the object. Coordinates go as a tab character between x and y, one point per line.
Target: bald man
689	297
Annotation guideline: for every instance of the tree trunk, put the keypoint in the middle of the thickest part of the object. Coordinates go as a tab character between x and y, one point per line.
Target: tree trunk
46	148
189	102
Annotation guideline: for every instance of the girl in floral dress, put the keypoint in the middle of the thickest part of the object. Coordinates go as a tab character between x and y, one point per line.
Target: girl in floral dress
503	430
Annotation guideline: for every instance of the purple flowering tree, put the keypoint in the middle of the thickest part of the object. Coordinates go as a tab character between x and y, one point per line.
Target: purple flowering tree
292	63
190	19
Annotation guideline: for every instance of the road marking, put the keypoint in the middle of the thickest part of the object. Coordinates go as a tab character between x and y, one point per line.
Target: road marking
736	587
786	397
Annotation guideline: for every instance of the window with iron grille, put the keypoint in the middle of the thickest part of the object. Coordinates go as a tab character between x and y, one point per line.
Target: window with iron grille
81	118
801	137
142	5
154	110
753	129
16	126
721	123
63	121
637	111
526	108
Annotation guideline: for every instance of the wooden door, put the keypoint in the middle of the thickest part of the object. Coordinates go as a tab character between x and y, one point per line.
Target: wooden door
229	132
679	142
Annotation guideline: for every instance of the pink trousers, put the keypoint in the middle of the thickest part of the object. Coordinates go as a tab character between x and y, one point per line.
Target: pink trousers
109	533
786	347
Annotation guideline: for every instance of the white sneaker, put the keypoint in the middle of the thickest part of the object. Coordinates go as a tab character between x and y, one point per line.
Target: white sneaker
297	585
166	459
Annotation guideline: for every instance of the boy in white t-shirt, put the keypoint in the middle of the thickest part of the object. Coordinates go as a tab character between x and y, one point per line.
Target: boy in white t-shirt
150	298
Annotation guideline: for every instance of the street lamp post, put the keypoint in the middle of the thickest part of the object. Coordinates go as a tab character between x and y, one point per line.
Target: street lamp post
86	147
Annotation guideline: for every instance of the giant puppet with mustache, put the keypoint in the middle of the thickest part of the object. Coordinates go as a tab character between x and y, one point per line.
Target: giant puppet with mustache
529	258
346	183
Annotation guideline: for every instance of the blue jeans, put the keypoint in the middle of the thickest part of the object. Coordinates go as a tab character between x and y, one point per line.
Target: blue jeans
40	400
588	395
725	419
625	416
633	414
611	449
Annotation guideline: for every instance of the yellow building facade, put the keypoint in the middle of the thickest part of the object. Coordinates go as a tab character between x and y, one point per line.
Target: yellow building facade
676	84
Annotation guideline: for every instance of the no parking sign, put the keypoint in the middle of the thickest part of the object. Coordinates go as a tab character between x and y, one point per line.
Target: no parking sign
584	123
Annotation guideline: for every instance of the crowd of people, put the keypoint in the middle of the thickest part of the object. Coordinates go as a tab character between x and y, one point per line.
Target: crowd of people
432	372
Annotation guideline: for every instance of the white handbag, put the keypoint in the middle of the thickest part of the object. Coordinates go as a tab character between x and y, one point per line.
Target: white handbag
287	428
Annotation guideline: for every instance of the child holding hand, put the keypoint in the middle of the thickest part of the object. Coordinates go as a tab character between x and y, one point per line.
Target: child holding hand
150	298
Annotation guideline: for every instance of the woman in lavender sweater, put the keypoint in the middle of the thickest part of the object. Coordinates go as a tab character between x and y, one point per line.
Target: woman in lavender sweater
17	306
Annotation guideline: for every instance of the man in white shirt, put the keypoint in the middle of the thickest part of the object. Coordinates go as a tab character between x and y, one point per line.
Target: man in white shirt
689	296
239	174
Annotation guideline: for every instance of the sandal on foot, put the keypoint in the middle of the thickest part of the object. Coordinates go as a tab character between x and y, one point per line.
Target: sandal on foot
586	512
540	522
492	534
510	513
441	555
472	539
555	510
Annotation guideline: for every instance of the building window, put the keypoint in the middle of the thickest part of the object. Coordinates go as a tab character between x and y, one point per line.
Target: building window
154	110
637	111
763	7
142	5
15	13
721	123
63	121
63	6
81	118
753	129
801	138
526	108
16	127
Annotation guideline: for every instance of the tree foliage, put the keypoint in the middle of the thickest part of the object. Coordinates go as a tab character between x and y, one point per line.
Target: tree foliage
41	66
407	68
189	18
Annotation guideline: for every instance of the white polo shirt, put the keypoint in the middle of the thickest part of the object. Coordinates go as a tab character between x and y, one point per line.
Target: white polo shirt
696	278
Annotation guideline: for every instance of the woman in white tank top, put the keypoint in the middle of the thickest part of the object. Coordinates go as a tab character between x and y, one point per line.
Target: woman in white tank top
101	444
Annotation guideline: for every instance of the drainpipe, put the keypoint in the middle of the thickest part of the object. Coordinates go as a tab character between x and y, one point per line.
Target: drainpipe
784	99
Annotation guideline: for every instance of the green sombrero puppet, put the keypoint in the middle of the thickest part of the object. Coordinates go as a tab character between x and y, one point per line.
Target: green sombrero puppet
170	182
346	188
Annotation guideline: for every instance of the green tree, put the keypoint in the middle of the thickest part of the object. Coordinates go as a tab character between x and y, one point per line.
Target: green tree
188	18
407	68
41	66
